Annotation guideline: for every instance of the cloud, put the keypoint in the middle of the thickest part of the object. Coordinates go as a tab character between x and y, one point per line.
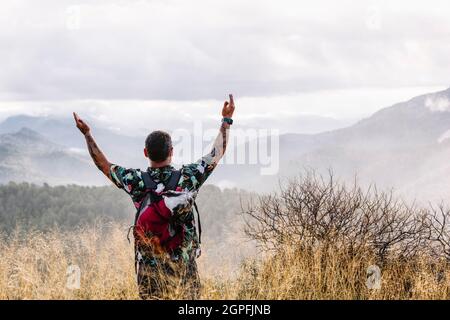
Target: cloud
438	104
199	50
444	137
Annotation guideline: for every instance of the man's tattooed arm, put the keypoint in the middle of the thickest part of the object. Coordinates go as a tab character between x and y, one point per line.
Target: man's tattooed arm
221	142
97	155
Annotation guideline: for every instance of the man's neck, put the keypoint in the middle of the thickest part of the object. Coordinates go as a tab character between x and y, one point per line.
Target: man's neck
155	165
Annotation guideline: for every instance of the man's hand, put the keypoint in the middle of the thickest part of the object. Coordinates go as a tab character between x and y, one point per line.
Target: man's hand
228	108
81	125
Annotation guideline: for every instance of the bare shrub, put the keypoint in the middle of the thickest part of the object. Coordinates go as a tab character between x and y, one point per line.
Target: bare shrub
439	231
312	211
323	236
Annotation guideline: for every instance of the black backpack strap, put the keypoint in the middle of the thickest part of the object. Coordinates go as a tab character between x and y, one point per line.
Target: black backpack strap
148	181
199	223
150	185
173	181
138	212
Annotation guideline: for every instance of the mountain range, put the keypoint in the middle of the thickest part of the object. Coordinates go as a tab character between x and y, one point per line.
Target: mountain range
405	146
26	155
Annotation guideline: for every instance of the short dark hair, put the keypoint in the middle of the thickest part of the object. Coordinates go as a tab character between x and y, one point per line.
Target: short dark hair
158	145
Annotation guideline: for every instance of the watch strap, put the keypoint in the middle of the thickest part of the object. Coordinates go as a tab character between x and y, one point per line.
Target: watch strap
228	120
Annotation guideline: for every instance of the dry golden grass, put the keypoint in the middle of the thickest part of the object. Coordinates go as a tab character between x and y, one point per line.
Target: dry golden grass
33	265
324	274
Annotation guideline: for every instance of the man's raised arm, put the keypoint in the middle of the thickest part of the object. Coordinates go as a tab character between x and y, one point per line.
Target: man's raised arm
97	155
205	166
221	142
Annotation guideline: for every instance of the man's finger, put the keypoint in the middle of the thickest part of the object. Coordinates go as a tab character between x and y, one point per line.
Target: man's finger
75	116
225	104
231	99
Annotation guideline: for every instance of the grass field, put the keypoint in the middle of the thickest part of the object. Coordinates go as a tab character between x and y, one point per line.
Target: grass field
35	265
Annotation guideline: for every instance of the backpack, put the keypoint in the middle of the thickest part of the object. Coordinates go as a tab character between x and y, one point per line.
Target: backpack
155	231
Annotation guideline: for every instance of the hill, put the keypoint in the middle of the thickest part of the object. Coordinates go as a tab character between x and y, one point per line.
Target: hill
404	146
28	156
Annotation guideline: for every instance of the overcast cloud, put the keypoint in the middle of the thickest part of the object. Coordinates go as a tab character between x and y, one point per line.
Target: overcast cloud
332	58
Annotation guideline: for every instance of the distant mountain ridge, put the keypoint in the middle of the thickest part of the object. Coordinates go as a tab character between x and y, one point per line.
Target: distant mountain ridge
27	155
398	147
405	146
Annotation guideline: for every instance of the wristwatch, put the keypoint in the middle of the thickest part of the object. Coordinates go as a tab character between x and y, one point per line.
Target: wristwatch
228	120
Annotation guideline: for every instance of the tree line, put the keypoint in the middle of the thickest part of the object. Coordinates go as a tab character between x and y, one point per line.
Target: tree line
28	206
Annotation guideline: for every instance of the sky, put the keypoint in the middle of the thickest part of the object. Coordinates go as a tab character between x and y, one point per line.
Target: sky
283	60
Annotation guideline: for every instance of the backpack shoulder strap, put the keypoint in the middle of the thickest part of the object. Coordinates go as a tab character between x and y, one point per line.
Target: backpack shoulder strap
173	181
199	223
150	186
148	181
